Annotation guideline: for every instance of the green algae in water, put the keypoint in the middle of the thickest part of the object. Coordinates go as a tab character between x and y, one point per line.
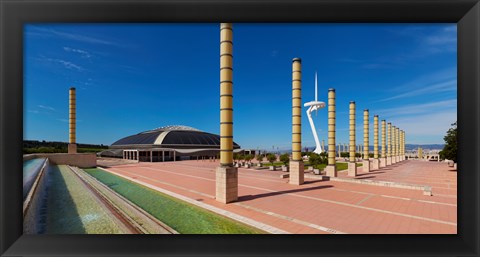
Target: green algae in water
179	215
72	209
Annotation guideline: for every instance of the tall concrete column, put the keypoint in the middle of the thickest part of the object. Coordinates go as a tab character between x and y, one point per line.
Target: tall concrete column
383	158
389	153
397	133
331	169
401	145
366	159
395	149
394	144
404	146
323	145
226	175
376	161
296	164
72	122
352	166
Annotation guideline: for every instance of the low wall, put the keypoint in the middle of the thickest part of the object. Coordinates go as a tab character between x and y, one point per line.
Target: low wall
81	160
27	157
33	204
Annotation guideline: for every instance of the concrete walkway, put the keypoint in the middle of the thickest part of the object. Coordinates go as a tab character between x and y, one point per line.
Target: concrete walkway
317	206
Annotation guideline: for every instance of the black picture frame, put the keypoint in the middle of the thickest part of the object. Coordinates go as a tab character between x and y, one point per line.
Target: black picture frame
14	13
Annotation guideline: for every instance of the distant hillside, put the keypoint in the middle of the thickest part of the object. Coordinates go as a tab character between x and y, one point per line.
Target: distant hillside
35	146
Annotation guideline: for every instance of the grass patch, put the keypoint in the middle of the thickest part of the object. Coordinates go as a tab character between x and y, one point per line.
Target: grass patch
181	216
344	165
267	164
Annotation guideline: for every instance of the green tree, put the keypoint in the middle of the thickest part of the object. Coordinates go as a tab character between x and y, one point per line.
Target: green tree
259	158
314	159
285	158
271	157
324	158
450	149
241	157
248	157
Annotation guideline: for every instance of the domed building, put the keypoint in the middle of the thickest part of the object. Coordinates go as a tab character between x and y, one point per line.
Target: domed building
167	144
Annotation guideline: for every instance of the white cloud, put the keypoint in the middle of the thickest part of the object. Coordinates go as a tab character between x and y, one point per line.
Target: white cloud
46	107
76	37
66	64
439	81
451	28
448	35
441	39
83	53
416	109
450	85
432	124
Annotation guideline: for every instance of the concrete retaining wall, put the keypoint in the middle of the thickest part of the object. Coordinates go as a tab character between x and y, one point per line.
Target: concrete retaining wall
81	160
35	201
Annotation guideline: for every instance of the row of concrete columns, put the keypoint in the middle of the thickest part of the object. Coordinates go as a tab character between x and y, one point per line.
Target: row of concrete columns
394	155
135	155
345	148
227	176
396	144
130	154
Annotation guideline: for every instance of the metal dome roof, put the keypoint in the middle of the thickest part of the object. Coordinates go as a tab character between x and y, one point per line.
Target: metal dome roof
174	136
172	127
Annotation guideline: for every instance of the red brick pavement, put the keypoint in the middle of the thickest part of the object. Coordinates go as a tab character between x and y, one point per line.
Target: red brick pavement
320	206
438	175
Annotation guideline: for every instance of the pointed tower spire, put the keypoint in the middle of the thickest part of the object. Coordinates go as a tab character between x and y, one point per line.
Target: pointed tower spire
316	87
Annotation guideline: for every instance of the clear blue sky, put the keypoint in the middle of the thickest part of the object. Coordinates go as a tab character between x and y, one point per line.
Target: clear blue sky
136	77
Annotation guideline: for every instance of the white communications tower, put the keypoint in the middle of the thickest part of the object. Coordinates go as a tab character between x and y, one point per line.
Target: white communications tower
315	106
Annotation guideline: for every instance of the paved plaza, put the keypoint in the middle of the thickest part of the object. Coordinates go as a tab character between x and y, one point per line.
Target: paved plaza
438	175
322	207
